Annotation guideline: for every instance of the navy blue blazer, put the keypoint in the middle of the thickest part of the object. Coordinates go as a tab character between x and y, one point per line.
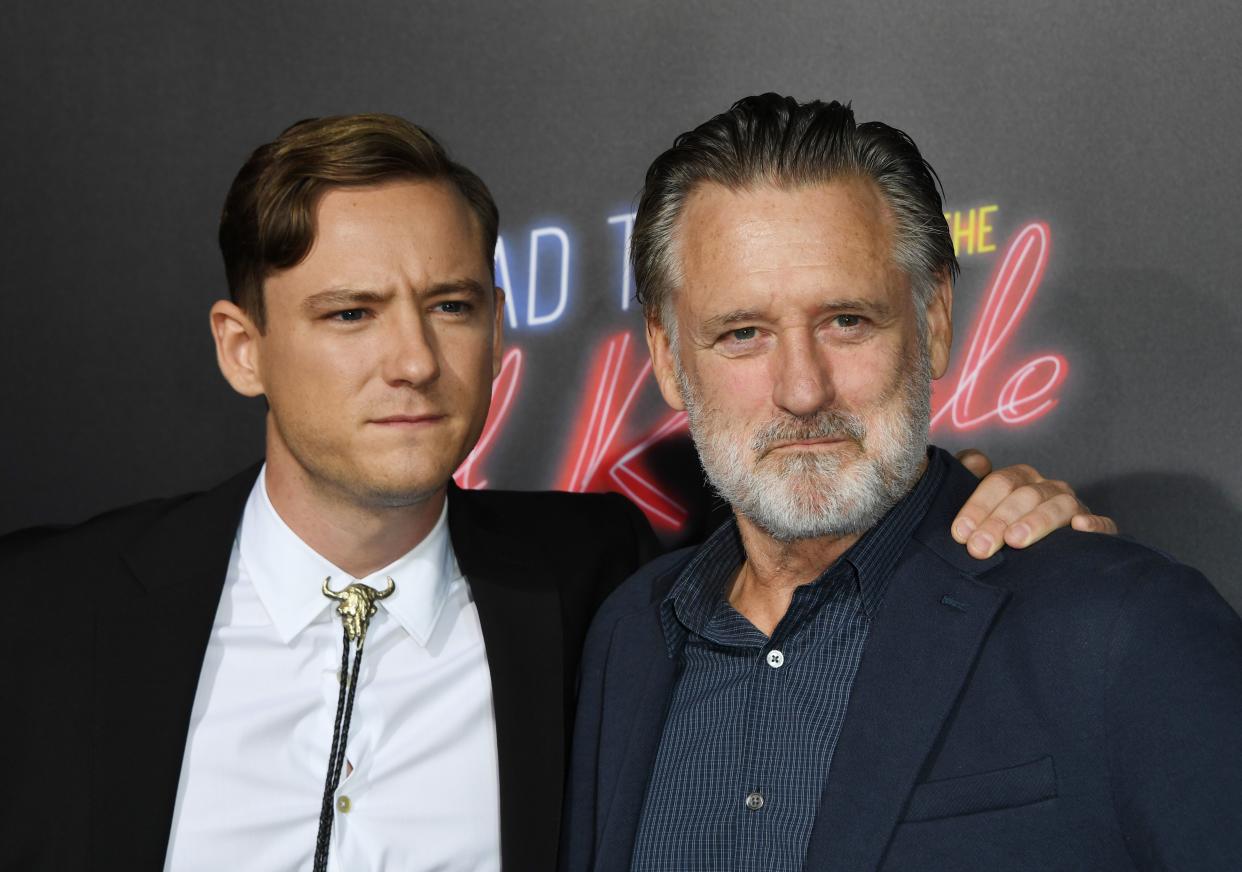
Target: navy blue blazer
1075	705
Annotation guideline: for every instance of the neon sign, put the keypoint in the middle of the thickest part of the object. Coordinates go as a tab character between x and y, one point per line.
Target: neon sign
1029	391
608	437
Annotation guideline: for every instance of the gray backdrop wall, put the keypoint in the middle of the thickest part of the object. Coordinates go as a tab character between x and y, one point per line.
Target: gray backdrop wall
1088	151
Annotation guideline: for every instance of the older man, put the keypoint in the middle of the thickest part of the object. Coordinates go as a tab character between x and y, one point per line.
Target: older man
827	683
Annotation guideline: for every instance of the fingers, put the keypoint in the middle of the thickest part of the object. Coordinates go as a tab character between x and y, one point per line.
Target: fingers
1026	515
1055	510
1088	523
975	460
1015	506
989	495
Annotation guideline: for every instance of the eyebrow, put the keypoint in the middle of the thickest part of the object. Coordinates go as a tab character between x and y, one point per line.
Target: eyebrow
343	298
467	287
719	323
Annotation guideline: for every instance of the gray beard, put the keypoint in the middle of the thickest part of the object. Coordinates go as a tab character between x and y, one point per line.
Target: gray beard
813	494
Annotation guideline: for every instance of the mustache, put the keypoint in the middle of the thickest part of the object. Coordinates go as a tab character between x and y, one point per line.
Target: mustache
824	424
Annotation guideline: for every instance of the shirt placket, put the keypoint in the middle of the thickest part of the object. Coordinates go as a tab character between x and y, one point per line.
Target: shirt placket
755	802
773	666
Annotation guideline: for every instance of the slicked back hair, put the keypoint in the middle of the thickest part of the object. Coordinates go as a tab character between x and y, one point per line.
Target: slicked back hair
268	223
777	141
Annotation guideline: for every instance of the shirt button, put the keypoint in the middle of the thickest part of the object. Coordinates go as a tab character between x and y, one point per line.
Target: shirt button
754	801
343	806
776	659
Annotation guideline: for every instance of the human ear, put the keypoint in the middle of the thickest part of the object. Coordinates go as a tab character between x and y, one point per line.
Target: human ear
940	326
663	365
236	338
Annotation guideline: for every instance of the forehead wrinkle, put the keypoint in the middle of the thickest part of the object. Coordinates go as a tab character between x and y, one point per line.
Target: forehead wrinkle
763	219
860	247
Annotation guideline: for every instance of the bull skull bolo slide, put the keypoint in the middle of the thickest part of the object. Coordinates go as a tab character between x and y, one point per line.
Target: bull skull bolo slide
356	606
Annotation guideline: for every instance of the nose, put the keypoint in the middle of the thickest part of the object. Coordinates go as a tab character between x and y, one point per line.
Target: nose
411	356
802	379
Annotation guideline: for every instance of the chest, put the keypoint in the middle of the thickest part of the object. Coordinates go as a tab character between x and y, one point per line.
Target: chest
421	769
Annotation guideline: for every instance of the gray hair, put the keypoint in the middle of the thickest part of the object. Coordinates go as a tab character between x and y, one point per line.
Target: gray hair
774	140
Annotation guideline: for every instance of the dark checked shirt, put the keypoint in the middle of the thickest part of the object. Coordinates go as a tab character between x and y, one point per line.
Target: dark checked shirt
753	721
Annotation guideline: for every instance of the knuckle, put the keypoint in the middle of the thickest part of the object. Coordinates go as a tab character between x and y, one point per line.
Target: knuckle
1025	498
1067	502
1026	473
1029	491
994	526
972	512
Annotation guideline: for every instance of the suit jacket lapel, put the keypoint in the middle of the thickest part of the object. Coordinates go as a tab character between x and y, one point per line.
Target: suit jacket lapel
520	613
149	648
920	650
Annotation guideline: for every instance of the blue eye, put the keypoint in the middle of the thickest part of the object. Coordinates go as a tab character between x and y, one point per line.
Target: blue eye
848	321
351	315
744	334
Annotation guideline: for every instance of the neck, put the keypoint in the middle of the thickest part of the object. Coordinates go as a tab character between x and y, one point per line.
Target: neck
358	538
773	569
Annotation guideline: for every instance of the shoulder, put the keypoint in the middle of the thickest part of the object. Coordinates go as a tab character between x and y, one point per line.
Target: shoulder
1117	599
83	555
584	545
562	528
522	506
105	534
1082	580
640	592
1089	569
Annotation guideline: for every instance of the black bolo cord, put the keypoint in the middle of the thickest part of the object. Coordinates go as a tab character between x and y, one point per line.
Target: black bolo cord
336	760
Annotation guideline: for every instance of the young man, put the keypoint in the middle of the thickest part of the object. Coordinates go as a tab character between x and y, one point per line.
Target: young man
828	683
178	708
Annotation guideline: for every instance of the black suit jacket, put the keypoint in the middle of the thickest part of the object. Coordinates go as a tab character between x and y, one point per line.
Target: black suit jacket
1076	705
106	625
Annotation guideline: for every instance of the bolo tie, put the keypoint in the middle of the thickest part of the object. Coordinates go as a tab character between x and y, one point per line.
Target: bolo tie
356	606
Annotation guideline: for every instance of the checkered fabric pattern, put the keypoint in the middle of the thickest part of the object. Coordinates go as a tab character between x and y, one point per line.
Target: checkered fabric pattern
753	721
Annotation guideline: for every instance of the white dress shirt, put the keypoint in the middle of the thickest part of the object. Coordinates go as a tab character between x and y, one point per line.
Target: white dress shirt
420	789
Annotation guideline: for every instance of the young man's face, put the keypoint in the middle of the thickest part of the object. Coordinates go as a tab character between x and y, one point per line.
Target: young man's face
799	354
381	345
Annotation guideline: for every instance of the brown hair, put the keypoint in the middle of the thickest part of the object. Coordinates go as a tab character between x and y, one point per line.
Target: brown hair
268	222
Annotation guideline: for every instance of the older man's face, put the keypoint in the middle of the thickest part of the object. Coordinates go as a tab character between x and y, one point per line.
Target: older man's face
799	356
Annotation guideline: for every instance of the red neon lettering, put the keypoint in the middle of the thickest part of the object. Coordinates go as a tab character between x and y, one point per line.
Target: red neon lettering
596	458
1027	393
504	386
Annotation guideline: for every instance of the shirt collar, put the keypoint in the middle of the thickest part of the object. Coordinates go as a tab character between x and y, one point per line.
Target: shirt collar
287	573
698	591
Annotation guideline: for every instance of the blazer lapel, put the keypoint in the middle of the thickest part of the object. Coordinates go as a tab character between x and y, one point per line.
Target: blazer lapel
919	652
637	696
149	648
520	614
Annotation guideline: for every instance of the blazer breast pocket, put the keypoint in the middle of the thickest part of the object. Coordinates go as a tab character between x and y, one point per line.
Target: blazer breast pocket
998	789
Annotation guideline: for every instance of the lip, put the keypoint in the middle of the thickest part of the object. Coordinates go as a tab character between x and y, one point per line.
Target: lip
406	420
808	443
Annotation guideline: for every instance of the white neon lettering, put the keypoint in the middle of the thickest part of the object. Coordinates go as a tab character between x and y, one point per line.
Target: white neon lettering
532	286
628	221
